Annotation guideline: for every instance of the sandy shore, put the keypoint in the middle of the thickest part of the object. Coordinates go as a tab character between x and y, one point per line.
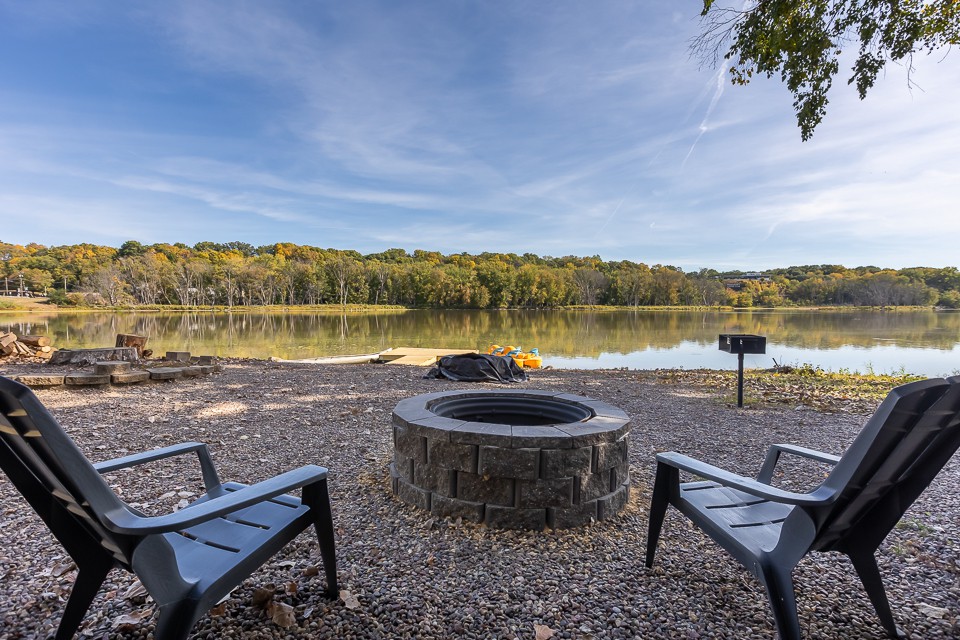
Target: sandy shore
409	576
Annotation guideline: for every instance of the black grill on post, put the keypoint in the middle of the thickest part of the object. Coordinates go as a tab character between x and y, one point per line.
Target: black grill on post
741	343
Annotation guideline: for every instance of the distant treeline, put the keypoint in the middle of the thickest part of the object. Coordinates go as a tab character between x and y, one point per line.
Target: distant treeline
236	273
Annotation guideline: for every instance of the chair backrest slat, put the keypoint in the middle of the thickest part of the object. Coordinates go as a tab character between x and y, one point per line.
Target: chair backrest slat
53	474
898	453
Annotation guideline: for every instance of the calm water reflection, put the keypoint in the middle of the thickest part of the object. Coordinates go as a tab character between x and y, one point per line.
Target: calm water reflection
919	342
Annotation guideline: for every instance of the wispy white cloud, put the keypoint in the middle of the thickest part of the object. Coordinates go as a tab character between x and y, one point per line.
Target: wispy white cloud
462	128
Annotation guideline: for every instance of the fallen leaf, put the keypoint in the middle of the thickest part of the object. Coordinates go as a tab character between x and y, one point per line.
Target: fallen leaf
291	588
932	612
312	570
136	590
282	614
542	632
349	600
60	569
129	621
219	610
263	595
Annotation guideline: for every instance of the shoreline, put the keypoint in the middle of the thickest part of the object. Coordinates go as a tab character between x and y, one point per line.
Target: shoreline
418	577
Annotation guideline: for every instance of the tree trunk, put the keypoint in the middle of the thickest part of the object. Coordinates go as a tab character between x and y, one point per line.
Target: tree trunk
130	340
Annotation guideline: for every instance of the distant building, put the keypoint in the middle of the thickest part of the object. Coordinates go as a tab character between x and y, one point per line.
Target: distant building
736	284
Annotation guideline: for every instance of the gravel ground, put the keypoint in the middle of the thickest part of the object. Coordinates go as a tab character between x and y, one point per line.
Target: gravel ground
405	575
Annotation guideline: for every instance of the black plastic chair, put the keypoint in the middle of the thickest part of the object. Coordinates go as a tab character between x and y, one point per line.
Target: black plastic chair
900	450
188	560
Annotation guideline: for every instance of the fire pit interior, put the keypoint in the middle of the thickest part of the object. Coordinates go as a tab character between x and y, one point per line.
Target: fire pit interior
512	459
504	409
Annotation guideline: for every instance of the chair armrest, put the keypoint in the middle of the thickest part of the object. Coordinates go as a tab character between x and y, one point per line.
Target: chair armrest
108	466
819	496
122	521
210	479
773	456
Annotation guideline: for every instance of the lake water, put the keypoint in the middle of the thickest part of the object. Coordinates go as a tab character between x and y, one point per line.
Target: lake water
921	342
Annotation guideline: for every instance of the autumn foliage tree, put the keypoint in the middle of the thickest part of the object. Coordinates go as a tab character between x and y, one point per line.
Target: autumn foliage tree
803	42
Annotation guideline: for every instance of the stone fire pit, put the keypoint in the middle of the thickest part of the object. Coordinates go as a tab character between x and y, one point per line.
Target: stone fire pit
511	459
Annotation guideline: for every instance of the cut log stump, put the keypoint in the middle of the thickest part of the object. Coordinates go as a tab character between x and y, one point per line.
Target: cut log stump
129	340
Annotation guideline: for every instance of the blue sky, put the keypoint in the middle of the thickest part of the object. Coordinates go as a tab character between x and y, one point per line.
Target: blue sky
560	128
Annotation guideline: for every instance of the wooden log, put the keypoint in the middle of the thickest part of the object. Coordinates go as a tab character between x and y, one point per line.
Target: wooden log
35	341
90	356
45	349
22	349
7	339
130	340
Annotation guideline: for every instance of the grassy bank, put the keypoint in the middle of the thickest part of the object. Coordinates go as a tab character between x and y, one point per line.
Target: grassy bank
803	386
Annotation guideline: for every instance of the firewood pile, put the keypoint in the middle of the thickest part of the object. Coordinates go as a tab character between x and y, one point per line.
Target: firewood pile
12	345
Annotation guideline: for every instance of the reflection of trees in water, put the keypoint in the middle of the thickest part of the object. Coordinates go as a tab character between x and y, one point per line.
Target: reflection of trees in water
566	333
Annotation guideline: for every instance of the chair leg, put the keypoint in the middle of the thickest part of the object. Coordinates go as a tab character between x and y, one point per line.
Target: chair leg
175	621
667	478
317	498
779	585
90	576
869	572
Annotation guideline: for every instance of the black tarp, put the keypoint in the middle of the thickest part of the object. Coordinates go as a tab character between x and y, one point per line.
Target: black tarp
478	367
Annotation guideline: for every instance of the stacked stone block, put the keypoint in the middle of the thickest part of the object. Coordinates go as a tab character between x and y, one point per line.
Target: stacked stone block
512	476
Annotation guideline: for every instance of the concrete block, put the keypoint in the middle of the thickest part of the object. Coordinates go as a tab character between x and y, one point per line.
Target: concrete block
573	516
85	379
497	435
510	518
402	466
40	381
129	377
611	504
409	444
609	455
474	488
560	463
619	474
523	464
599	429
192	372
462	457
444	507
539	437
109	367
434	479
545	493
177	356
165	373
592	486
413	495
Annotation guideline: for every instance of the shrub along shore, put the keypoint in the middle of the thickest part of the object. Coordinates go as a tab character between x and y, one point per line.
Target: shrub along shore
238	274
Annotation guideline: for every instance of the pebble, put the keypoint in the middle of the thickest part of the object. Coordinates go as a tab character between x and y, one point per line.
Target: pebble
455	579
